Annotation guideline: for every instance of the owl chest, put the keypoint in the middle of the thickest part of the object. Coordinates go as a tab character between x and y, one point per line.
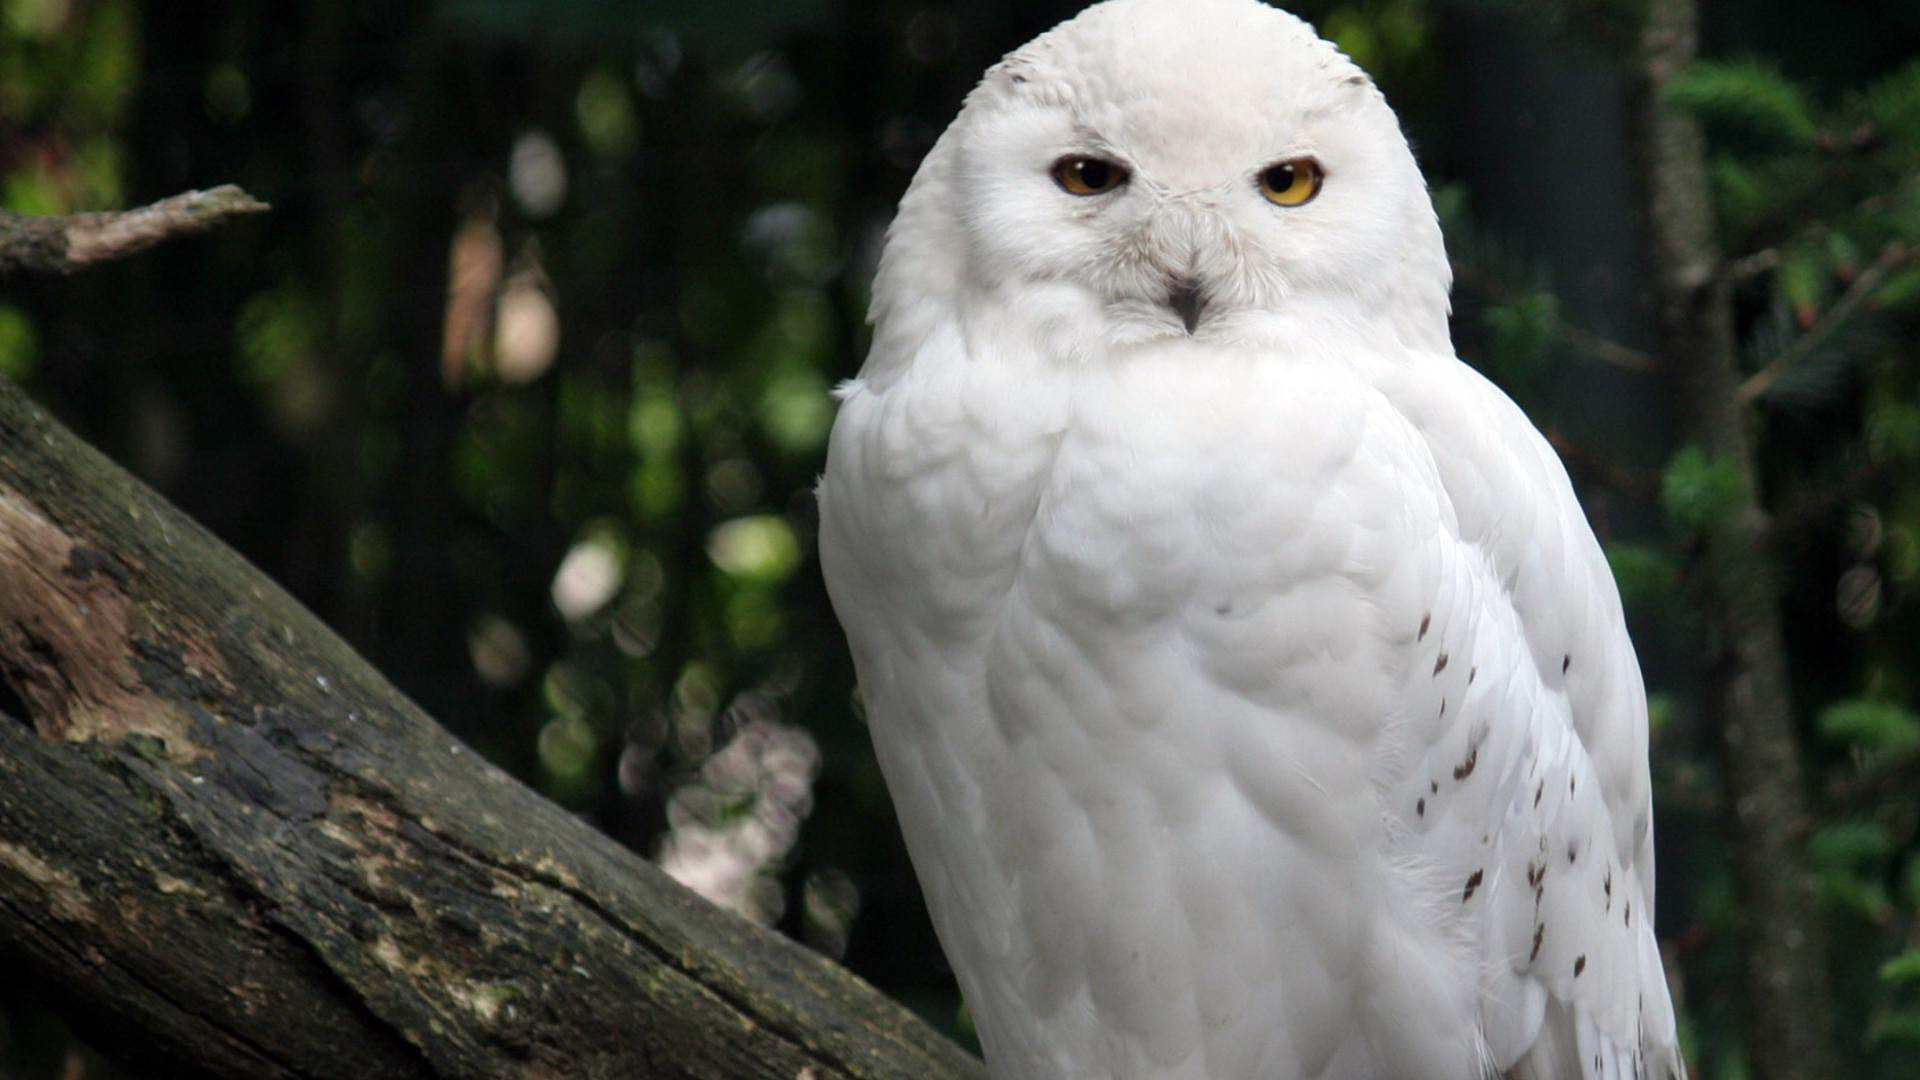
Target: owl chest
1107	554
1115	498
1076	503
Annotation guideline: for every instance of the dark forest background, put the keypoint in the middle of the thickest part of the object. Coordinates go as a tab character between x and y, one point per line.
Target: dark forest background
523	384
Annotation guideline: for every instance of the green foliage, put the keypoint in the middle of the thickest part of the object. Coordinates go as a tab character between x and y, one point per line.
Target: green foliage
1817	194
604	108
1741	194
280	337
1503	297
758	549
1892	105
1644	572
1845	845
1903	290
1804	278
1879	726
67	74
1380	34
1894	431
1750	94
1899	1027
1904	968
1524	331
1848	857
1660	712
1700	492
18	349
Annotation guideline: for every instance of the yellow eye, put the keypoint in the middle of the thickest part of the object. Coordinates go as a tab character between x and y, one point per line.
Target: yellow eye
1087	175
1291	183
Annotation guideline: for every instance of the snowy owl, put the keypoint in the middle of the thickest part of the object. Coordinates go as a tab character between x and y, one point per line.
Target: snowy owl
1254	695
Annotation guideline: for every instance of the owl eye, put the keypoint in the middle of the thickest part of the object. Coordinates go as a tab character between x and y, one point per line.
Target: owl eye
1291	183
1079	175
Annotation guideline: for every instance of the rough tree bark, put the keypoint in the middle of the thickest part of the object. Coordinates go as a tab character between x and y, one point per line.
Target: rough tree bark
1790	1033
62	245
233	848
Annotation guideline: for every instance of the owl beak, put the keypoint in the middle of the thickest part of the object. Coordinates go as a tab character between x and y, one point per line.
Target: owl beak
1186	299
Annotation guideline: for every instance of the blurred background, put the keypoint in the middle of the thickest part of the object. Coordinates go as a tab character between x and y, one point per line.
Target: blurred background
523	384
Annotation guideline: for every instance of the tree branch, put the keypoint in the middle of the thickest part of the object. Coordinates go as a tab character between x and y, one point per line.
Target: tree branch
1585	342
1857	298
1747	267
1608	351
234	850
1637	484
62	245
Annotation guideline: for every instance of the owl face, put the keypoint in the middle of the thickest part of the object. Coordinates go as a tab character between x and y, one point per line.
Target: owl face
1187	176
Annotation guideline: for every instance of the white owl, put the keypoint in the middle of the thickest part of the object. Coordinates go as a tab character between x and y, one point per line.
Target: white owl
1254	695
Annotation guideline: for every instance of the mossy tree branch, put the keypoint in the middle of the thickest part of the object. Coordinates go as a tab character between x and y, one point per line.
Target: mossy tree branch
232	848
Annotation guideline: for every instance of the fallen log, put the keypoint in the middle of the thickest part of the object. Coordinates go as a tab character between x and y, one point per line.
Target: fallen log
230	847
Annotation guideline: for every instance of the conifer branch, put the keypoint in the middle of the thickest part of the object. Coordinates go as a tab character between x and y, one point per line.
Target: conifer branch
1608	351
1638	484
1857	299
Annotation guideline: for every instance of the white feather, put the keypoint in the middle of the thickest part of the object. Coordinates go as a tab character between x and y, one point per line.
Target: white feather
1256	700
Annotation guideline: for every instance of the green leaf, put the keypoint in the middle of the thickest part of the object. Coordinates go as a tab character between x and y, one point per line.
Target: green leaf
1660	710
1700	492
1746	93
1901	554
1873	725
1851	892
18	343
1846	844
1739	195
1893	104
795	409
1893	431
1450	204
1844	253
1897	1027
1522	332
1904	968
759	547
604	110
1643	572
1354	34
1900	291
1899	217
1805	279
279	332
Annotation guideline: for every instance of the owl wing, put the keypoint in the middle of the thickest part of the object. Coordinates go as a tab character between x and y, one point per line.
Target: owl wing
1530	804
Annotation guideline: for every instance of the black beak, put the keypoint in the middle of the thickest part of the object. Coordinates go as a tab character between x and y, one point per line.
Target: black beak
1186	299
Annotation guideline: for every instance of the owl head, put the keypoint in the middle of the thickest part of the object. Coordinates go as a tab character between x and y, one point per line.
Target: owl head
1168	169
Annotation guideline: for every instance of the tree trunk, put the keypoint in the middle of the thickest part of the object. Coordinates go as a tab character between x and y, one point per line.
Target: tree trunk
231	847
1790	1027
